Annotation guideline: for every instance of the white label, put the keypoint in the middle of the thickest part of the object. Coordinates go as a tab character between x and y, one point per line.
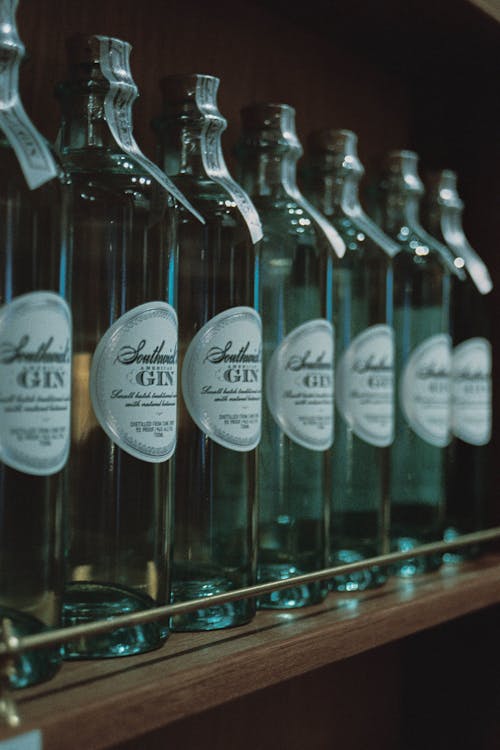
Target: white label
299	385
35	383
33	154
133	381
471	391
425	390
364	385
27	741
222	378
32	151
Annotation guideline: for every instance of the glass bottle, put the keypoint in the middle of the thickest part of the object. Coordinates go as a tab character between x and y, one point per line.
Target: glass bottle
124	359
364	346
35	363
220	352
422	281
297	261
471	410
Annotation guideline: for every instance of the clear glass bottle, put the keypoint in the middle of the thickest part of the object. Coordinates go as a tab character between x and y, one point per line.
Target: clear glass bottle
469	452
35	364
364	349
297	261
220	352
422	281
125	356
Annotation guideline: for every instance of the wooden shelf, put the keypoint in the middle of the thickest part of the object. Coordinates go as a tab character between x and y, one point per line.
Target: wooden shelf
104	703
490	7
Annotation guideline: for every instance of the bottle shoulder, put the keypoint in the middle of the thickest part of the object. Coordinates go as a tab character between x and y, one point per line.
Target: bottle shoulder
105	161
215	202
423	250
104	174
361	245
285	217
416	256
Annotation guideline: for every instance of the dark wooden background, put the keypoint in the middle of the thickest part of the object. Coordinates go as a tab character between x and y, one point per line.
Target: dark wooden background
419	74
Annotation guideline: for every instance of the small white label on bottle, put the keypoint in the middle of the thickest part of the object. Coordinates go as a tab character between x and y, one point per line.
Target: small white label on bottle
35	383
222	378
425	390
115	67
299	385
365	385
26	741
32	151
34	156
471	391
133	381
213	160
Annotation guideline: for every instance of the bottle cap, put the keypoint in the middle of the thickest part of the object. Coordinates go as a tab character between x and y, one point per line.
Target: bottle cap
10	43
184	87
336	149
268	123
401	172
442	188
192	96
83	49
92	52
260	115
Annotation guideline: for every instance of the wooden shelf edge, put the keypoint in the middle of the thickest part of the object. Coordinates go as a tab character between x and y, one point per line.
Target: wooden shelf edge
490	7
100	704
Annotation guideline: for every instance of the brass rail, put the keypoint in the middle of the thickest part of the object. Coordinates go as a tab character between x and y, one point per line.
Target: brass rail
14	646
11	646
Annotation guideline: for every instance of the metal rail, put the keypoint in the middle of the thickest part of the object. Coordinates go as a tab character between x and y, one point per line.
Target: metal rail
11	646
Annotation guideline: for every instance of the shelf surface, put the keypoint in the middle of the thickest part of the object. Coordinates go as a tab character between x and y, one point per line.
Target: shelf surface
490	7
103	703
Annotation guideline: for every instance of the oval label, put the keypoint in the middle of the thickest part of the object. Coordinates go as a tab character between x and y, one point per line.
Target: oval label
35	383
133	382
425	390
222	378
299	385
364	385
471	391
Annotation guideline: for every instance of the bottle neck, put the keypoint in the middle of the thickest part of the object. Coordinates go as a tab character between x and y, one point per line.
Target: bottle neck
269	172
84	121
192	147
447	222
336	193
433	215
401	210
12	53
350	195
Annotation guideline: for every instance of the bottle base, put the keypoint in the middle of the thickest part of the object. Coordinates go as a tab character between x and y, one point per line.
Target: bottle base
220	616
460	554
86	601
368	578
413	566
31	667
294	597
